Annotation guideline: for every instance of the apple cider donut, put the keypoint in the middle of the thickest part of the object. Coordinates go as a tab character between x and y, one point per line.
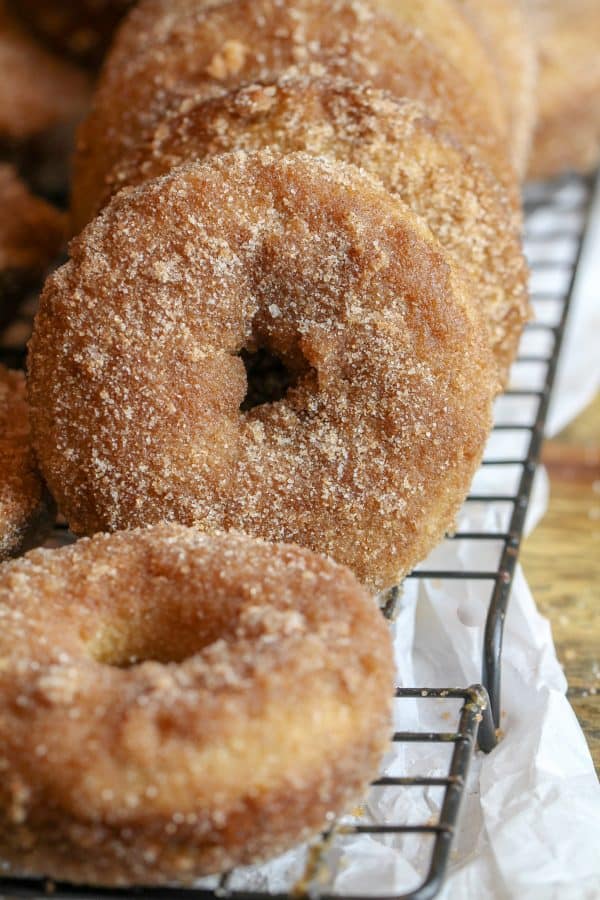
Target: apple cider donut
568	129
465	207
42	98
25	514
446	26
31	235
83	30
137	375
174	704
38	91
168	50
506	35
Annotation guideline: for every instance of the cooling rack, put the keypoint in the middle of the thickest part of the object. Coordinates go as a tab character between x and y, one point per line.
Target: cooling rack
557	215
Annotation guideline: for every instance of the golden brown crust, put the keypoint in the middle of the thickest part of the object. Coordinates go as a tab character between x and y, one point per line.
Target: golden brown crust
168	50
568	130
505	33
367	459
83	29
458	197
38	91
174	704
25	509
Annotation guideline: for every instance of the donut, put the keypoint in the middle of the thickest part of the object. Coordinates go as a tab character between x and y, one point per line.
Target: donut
504	29
445	24
166	51
567	136
137	376
82	30
42	98
38	91
31	235
174	704
25	509
471	215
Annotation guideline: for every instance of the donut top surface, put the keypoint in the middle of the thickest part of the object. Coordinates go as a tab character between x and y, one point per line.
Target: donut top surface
166	51
470	214
199	617
128	604
137	378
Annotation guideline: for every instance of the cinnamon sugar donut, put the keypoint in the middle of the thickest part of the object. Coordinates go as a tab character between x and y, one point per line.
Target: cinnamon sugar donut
83	29
42	98
504	29
568	129
472	216
173	704
170	49
25	514
136	379
38	91
446	25
31	235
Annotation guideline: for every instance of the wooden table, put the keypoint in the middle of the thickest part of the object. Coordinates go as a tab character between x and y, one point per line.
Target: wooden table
562	563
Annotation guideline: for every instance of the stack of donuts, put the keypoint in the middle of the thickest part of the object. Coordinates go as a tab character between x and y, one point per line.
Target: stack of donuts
258	392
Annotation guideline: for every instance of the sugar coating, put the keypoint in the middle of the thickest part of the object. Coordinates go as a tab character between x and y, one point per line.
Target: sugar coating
167	50
37	90
467	210
136	380
24	513
174	703
83	29
567	37
507	37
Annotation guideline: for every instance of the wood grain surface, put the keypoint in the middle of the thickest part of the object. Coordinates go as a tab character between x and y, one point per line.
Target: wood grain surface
562	563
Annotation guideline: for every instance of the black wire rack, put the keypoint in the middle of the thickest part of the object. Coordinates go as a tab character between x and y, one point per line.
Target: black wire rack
557	216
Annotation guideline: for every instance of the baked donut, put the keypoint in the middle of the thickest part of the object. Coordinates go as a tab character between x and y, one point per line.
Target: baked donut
25	509
471	215
38	91
503	27
445	24
31	235
42	98
167	50
136	375
568	128
83	30
174	704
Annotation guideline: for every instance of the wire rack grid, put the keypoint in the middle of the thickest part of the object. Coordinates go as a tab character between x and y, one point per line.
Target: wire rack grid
557	215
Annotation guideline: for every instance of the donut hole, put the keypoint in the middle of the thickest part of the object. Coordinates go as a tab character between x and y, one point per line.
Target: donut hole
170	630
117	648
270	376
